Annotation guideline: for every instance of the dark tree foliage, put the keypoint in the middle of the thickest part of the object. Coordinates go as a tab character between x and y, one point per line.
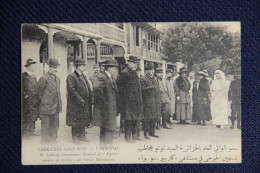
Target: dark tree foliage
202	46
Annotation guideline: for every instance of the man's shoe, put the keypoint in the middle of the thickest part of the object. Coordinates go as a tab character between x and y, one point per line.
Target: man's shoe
33	134
84	140
146	137
239	127
185	122
129	141
137	139
169	122
232	126
179	122
165	127
153	135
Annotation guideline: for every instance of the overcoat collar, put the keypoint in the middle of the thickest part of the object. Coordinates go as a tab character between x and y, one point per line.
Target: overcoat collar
52	81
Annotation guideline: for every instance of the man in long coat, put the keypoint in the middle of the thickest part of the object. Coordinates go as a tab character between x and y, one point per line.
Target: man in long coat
182	88
170	85
48	100
203	99
234	96
105	102
149	85
79	102
29	112
130	99
195	105
165	97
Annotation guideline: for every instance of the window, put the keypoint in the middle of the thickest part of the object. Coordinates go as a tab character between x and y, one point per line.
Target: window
137	36
153	42
149	41
144	39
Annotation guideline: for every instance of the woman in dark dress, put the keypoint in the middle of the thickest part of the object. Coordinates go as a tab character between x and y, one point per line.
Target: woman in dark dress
203	98
195	108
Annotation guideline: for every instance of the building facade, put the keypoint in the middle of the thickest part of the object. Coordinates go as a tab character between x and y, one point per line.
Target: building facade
144	41
93	42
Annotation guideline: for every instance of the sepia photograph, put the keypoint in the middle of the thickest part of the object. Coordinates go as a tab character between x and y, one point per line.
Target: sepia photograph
131	93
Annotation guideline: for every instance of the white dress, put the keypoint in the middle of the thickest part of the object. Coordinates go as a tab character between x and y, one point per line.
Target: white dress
220	107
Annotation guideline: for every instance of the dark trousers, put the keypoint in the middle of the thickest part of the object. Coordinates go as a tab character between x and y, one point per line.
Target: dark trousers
28	124
165	113
78	132
49	128
131	129
236	113
149	126
106	136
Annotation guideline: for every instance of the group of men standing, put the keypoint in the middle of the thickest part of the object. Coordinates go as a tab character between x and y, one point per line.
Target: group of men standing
137	100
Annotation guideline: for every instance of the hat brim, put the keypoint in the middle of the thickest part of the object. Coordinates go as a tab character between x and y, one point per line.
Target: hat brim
110	65
54	66
159	71
133	60
81	64
27	65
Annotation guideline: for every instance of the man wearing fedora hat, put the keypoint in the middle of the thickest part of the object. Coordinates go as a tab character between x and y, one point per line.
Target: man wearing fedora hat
165	97
149	93
182	88
130	99
49	103
105	102
29	112
79	105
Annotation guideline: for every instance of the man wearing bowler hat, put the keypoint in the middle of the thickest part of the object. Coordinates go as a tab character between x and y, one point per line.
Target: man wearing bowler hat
79	105
130	99
149	93
49	103
105	102
29	112
182	88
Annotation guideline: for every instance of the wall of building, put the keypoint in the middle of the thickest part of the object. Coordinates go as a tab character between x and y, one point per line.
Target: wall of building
30	49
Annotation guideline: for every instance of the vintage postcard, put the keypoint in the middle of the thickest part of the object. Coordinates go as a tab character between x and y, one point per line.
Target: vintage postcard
124	93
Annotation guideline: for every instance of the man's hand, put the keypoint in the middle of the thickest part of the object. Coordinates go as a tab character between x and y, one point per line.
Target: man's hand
82	102
178	98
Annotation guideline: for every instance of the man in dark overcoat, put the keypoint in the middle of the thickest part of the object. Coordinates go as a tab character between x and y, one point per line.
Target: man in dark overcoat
182	87
29	112
203	99
149	85
79	102
195	102
105	102
48	100
130	99
234	96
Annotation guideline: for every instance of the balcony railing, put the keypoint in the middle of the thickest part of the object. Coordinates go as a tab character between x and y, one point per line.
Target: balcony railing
103	51
104	29
153	55
112	32
90	27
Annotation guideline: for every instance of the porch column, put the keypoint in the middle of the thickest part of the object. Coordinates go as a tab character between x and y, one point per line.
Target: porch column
85	48
98	51
164	69
142	66
50	42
